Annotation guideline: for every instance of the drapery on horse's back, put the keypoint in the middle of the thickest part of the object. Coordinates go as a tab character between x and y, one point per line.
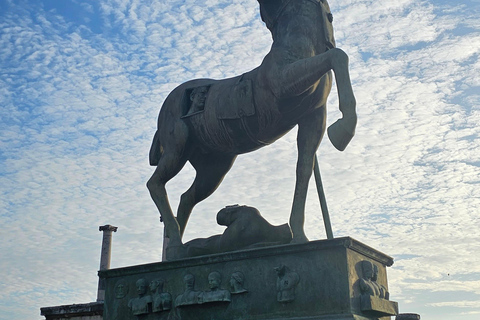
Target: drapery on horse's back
227	122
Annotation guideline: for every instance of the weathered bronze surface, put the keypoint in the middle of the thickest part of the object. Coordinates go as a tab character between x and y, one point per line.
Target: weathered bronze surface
209	122
315	280
375	296
246	228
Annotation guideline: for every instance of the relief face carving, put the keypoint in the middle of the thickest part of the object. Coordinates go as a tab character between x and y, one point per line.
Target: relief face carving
236	283
198	96
287	281
121	290
189	296
368	281
374	298
382	290
160	300
145	303
215	294
140	305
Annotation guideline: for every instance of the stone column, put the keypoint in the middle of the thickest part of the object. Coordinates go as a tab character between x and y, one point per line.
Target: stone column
165	244
105	257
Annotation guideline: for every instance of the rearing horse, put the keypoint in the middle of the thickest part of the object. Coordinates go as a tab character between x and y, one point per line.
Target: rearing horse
209	122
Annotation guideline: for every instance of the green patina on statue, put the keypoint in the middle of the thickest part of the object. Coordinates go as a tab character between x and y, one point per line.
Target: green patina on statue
209	122
246	229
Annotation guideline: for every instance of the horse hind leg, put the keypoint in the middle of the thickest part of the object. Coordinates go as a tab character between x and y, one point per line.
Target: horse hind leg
211	169
169	165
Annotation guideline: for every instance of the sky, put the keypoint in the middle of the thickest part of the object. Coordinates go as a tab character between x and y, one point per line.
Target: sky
81	85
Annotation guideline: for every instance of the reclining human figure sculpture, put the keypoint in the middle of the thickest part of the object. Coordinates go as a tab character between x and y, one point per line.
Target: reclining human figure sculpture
246	228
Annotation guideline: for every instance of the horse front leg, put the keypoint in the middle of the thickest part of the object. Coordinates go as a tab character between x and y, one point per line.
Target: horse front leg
299	76
310	132
342	131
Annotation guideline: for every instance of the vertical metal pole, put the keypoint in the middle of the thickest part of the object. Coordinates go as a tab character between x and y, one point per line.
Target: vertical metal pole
165	243
323	201
105	257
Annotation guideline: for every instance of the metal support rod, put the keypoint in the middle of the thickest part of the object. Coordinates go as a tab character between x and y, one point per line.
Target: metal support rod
323	201
165	243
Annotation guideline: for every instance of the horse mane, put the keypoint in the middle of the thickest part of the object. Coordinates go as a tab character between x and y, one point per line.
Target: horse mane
270	11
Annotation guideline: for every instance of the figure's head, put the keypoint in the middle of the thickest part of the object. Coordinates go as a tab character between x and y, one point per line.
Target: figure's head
156	284
198	96
189	281
141	285
281	270
224	216
214	280
237	279
367	268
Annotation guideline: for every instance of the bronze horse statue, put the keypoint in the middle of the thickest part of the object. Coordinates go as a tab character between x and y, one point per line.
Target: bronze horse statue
209	122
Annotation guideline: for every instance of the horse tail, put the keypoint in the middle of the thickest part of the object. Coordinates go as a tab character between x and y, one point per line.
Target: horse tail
154	155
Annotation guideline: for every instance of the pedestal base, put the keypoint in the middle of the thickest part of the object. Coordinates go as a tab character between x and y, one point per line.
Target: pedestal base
318	280
378	307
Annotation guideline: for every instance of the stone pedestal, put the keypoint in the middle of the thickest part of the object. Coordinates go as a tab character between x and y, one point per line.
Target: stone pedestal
82	311
315	280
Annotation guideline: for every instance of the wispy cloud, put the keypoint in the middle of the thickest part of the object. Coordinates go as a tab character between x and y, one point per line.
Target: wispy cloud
459	304
80	94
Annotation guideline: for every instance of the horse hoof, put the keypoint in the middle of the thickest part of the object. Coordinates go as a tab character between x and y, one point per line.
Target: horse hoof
339	135
176	252
299	239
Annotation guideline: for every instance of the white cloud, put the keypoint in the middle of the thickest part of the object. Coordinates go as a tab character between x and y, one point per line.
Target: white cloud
459	304
79	110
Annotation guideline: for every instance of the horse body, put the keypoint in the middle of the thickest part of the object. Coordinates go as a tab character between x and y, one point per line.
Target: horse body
271	118
244	113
